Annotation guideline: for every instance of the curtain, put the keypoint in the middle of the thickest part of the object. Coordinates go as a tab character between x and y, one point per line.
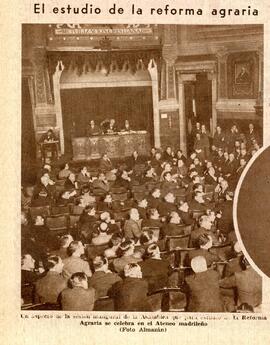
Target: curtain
79	106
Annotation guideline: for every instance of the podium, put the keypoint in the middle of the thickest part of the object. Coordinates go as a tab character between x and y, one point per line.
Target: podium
49	150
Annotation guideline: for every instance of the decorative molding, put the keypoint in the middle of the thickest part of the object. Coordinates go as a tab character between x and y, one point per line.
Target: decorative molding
80	85
39	67
182	78
223	115
196	66
168	105
236	105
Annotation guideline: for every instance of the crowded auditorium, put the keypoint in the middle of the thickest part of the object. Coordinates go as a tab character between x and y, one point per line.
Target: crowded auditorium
134	138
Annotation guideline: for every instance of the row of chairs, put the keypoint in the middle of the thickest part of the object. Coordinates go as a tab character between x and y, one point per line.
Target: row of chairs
165	299
139	191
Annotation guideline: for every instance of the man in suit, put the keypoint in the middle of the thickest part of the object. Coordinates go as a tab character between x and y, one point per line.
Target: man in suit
28	277
126	127
219	138
74	263
234	263
93	129
84	176
154	198
241	168
47	138
205	226
79	297
101	183
204	244
105	164
123	180
203	288
142	208
154	269
173	228
112	127
184	213
152	219
132	227
49	287
248	284
131	293
45	185
102	279
168	205
63	246
198	202
126	253
101	236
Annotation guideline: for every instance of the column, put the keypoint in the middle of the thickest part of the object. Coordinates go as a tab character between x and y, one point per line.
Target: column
182	79
213	77
169	54
222	56
58	108
152	68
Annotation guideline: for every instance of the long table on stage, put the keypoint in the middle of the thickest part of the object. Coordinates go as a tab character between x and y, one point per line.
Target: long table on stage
116	145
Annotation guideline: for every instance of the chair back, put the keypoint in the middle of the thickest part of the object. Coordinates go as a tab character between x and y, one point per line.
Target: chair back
43	211
60	210
120	196
77	210
152	185
187	229
73	220
57	223
139	188
220	267
177	242
196	214
105	303
60	182
151	229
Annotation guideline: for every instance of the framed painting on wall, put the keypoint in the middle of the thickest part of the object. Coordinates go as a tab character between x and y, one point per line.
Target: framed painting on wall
243	75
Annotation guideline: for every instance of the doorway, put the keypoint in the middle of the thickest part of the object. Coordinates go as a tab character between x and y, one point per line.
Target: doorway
198	106
203	99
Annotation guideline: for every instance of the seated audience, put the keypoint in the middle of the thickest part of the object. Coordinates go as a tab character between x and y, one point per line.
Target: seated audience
71	183
101	236
130	294
203	287
204	245
125	255
64	172
173	228
114	244
84	176
248	284
102	279
74	263
154	269
101	183
78	296
132	227
49	287
64	243
123	217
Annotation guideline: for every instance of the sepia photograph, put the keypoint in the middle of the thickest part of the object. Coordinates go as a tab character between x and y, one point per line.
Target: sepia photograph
133	140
